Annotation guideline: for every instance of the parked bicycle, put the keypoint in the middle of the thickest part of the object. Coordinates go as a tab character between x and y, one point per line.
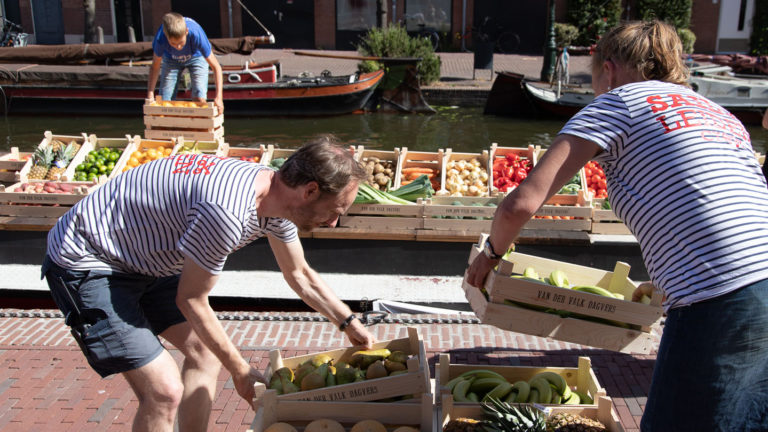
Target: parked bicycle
504	41
13	34
416	26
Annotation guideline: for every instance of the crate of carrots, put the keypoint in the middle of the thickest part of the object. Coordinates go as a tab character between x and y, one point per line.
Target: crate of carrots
413	164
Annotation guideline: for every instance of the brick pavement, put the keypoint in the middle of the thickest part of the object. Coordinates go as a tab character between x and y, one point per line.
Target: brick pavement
45	383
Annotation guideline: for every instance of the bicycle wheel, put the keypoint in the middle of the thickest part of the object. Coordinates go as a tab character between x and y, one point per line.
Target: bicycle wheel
508	42
433	37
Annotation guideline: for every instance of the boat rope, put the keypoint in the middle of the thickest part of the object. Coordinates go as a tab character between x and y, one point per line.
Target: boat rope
367	318
269	33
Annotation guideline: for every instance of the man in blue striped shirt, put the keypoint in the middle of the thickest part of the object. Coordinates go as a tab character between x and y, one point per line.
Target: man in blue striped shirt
682	175
138	258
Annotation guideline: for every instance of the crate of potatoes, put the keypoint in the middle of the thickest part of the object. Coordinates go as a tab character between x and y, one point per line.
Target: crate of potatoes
389	369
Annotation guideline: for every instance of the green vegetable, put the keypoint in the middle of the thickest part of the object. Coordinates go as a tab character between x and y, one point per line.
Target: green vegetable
419	188
606	205
277	163
367	194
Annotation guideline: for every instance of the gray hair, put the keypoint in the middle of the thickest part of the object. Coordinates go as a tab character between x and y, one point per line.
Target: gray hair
324	161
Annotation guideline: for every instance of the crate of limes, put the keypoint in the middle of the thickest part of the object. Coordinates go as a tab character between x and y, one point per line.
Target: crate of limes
100	159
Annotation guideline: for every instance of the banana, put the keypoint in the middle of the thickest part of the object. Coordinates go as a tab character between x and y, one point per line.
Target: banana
452	383
460	390
500	391
558	278
484	385
618	296
482	373
557	381
556	398
543	389
533	396
473	397
530	272
594	290
512	396
523	391
573	400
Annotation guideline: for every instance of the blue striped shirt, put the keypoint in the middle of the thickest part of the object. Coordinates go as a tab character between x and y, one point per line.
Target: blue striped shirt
683	177
147	219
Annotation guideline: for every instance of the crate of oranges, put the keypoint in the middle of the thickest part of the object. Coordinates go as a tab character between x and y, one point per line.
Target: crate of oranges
189	119
147	150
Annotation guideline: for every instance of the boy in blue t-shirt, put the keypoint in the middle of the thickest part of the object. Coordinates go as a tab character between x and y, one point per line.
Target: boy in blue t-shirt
181	43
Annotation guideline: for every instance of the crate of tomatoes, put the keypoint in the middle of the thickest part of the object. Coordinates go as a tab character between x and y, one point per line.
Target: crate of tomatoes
595	179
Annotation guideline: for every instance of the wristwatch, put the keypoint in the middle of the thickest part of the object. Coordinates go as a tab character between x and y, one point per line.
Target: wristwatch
488	250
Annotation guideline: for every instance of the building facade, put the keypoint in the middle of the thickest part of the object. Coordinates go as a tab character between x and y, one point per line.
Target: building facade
338	24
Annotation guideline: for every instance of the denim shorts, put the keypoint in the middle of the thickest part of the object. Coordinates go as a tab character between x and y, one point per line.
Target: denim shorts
171	71
114	317
711	371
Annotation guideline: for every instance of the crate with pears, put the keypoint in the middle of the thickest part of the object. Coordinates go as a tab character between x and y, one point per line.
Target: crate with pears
390	369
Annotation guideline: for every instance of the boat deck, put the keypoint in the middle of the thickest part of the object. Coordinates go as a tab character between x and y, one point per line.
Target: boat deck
46	384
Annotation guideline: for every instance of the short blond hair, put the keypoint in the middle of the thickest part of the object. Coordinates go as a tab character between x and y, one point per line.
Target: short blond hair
652	48
174	25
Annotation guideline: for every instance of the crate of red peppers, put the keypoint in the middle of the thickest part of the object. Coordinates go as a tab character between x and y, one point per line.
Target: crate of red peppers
604	220
510	166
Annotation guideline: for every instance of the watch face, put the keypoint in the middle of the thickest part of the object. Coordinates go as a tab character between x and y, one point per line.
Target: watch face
488	250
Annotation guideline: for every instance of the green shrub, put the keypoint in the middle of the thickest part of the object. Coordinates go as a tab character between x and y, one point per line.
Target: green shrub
675	12
758	43
593	17
565	34
688	38
394	41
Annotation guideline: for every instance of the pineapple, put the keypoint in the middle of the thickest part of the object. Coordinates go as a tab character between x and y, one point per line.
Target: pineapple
62	156
566	422
41	162
503	417
58	144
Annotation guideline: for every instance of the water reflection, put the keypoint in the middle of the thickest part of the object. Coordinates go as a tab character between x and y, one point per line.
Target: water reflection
462	129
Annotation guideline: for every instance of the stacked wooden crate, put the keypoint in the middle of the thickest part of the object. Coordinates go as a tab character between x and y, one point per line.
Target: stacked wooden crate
191	120
11	163
541	309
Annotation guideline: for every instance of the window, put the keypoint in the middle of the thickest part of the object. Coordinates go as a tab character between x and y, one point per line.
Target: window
357	15
433	14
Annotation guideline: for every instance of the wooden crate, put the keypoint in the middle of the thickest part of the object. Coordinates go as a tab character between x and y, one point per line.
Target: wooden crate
414	382
48	137
482	157
190	134
603	412
459	214
190	122
530	153
605	221
581	378
560	197
413	159
95	143
564	213
264	153
207	111
141	145
215	147
11	163
633	335
362	155
418	413
14	194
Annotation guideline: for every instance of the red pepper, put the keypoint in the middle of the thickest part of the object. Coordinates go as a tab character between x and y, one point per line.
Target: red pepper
512	157
520	175
500	163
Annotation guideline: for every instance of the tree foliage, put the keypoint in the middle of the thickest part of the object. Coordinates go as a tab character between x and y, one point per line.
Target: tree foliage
593	18
394	41
675	12
758	43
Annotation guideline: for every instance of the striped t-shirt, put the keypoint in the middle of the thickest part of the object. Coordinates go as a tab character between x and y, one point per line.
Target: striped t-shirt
147	219
683	177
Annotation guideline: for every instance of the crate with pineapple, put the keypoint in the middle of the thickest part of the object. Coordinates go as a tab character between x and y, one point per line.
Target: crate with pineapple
52	156
568	302
192	120
499	416
11	163
100	159
274	415
472	384
389	369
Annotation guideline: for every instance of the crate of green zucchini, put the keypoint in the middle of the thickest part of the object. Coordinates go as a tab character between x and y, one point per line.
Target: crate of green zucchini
473	214
563	301
471	383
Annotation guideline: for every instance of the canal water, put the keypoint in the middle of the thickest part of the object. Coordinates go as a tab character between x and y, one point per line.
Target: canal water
461	129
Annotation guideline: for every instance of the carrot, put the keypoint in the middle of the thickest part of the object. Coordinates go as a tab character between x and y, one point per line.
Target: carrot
422	170
414	176
405	182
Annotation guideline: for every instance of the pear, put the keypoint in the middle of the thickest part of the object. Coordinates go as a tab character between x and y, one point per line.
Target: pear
302	371
376	370
398	356
290	387
346	375
284	373
392	366
330	380
319	359
400	372
316	378
365	358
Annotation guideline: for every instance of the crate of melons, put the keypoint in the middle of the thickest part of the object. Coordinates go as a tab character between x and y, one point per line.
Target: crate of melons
414	415
389	369
563	301
496	415
472	384
100	159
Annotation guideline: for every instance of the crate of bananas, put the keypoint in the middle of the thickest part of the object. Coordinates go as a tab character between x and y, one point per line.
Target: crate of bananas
390	369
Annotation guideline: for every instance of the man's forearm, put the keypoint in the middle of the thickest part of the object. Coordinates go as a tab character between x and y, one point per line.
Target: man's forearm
315	293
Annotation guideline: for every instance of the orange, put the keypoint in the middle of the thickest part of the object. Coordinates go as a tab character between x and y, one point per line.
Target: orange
167	151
